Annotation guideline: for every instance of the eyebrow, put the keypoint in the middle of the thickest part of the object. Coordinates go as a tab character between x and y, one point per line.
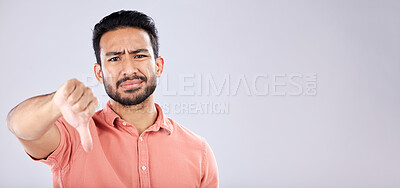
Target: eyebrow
131	52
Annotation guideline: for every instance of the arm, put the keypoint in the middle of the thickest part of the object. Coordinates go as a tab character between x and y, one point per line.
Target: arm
209	168
33	121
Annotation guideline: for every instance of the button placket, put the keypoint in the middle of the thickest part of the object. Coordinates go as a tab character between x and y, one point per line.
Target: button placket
143	160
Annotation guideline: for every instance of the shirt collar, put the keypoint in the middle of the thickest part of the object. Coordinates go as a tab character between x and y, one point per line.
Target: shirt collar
162	120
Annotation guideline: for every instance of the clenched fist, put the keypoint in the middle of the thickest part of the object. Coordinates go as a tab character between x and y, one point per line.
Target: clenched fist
77	105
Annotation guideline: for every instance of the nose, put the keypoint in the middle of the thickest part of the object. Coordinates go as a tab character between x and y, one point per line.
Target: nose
129	65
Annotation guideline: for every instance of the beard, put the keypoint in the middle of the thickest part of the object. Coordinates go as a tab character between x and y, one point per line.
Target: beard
136	95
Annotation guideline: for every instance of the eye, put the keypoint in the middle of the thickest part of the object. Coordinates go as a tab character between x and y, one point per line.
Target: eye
140	56
114	59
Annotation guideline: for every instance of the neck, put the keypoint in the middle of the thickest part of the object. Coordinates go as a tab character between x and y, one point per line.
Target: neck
141	116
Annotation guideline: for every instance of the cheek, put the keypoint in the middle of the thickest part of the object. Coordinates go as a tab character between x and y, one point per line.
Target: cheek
150	73
152	68
109	76
111	79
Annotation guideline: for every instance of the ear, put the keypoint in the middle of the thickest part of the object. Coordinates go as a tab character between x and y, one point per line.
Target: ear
159	66
98	73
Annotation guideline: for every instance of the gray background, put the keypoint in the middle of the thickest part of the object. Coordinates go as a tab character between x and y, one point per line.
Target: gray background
346	135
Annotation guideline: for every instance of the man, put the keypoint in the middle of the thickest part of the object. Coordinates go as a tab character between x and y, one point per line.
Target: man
130	143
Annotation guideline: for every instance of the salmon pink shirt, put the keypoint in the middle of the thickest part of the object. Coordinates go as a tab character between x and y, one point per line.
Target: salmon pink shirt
164	155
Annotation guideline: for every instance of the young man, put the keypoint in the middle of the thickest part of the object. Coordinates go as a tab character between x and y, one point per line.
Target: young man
130	143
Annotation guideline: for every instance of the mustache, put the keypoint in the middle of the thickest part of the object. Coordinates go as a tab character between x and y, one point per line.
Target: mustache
119	82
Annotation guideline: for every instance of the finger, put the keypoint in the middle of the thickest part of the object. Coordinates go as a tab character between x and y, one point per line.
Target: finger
69	87
77	93
91	109
84	101
86	138
62	93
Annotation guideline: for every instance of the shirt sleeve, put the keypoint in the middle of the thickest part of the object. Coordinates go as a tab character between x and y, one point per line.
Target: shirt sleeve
209	168
69	144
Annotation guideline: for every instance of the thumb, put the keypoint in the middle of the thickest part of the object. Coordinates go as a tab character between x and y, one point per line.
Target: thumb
86	137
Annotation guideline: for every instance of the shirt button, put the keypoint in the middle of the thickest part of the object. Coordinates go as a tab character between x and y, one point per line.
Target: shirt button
143	167
140	138
124	123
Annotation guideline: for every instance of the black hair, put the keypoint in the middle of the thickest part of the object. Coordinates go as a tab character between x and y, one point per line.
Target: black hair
123	19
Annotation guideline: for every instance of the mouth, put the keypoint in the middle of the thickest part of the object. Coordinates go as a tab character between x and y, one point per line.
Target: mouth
131	84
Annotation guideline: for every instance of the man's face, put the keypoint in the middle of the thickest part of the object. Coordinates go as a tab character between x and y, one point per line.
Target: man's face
129	69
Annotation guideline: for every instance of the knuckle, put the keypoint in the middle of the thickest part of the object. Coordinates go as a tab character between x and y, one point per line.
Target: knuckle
74	109
72	82
89	91
78	107
64	92
80	85
95	102
87	113
71	100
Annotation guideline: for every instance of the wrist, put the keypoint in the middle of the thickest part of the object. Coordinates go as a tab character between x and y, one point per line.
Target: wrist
54	108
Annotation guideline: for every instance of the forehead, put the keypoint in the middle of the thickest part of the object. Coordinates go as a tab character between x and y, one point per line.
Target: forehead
125	38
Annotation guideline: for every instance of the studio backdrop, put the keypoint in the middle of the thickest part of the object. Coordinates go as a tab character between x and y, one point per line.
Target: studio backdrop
287	93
